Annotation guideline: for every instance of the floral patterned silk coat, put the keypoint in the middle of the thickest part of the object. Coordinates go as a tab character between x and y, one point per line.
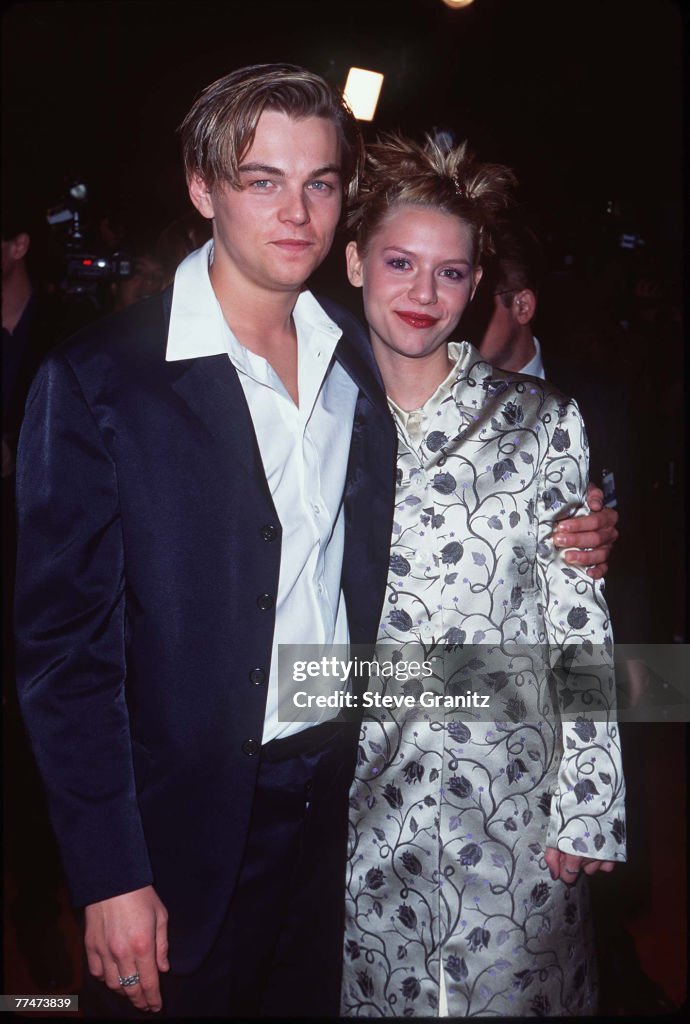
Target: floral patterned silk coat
450	906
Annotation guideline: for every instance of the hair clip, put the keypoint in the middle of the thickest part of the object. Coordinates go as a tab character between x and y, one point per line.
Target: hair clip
460	189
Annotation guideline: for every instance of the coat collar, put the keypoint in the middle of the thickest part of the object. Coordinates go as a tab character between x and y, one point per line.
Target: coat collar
210	388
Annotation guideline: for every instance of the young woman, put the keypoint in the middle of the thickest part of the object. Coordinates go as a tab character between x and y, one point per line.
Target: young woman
469	842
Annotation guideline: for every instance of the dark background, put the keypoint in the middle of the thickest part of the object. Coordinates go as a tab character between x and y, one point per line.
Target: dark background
582	99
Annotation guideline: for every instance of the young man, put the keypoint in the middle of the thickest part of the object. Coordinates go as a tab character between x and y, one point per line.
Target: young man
202	478
191	494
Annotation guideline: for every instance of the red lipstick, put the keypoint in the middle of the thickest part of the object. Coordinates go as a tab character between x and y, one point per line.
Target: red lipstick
418	320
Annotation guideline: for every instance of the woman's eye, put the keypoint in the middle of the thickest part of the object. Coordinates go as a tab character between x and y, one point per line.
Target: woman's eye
398	263
452	274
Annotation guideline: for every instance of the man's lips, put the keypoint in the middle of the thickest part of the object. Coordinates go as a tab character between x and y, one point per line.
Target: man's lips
292	244
417	320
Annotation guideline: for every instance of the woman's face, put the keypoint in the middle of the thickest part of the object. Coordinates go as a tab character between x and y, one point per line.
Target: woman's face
417	278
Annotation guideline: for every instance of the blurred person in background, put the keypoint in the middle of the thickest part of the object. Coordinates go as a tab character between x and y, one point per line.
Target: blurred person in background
147	278
177	240
33	321
500	322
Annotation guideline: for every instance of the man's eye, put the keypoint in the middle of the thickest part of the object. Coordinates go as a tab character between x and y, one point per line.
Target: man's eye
320	186
260	184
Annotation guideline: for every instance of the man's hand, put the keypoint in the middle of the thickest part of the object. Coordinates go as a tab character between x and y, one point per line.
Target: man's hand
593	535
567	867
128	935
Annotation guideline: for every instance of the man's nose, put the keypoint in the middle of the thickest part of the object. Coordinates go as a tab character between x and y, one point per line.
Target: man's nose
294	209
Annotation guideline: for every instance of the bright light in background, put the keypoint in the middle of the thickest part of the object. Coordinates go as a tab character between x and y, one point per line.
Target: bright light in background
362	91
457	3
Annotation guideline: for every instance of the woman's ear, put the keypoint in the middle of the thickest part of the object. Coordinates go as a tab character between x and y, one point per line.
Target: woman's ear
354	265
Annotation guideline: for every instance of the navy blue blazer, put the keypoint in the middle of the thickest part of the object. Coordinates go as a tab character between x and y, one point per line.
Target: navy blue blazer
143	642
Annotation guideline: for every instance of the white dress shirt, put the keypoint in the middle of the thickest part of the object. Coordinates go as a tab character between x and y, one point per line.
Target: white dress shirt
535	367
304	450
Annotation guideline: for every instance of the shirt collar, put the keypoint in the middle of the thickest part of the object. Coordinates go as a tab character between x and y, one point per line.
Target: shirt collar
197	325
535	367
460	353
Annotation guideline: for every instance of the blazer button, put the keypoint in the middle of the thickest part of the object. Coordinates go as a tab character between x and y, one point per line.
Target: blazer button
250	747
264	602
257	676
268	532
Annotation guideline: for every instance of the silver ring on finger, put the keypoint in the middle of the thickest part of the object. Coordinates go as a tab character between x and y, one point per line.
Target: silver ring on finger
131	979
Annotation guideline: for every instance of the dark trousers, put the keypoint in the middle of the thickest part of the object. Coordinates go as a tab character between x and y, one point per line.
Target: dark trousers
279	951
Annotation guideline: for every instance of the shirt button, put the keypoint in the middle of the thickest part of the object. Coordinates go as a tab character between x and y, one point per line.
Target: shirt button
320	588
268	532
421	557
427	629
250	747
317	509
264	602
257	676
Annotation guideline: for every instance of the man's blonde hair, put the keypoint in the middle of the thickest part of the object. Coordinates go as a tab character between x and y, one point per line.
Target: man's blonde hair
219	129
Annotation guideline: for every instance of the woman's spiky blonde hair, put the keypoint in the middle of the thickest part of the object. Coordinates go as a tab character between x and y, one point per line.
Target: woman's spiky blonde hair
400	171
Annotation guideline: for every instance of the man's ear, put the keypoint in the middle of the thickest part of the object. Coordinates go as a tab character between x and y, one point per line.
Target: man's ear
354	265
200	194
524	306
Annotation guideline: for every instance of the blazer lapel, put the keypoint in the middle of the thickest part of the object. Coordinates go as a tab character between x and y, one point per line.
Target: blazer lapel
210	388
364	374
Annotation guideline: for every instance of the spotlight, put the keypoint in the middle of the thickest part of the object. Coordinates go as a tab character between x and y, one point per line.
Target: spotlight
362	92
455	5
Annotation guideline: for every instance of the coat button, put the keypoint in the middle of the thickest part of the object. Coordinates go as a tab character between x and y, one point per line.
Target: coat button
257	676
250	747
268	532
264	602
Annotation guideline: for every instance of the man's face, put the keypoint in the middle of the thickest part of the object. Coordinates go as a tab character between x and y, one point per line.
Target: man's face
13	252
275	229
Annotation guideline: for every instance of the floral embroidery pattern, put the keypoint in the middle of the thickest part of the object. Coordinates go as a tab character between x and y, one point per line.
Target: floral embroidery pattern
450	819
